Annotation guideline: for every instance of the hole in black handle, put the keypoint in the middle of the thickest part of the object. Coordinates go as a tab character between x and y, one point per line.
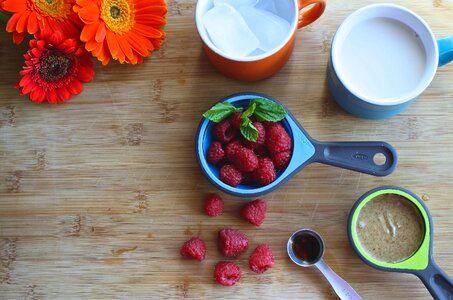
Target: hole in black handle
379	159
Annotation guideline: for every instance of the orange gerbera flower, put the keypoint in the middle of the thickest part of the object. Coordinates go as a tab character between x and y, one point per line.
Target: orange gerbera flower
46	16
125	30
55	68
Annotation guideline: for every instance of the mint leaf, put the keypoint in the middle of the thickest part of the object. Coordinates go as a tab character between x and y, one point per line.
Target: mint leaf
220	111
268	110
249	111
248	130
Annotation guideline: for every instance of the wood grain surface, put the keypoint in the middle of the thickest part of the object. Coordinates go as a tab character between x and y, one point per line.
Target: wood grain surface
97	195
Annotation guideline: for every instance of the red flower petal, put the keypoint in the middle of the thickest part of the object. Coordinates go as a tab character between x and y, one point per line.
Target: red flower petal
54	69
18	37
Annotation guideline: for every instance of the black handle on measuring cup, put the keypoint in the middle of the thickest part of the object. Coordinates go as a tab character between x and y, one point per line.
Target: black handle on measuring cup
357	156
438	283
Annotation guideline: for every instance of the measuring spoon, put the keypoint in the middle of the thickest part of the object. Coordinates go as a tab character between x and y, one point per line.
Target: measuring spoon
306	248
356	156
421	262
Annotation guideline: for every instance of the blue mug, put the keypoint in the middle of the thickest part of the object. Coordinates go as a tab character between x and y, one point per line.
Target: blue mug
383	56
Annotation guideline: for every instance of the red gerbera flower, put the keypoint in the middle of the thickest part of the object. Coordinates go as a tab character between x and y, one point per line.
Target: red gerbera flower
126	30
46	16
54	69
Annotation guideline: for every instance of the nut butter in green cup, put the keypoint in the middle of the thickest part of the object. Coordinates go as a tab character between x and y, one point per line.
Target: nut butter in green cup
390	234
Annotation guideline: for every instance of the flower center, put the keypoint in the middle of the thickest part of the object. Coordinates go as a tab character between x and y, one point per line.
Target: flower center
57	9
118	15
54	65
115	12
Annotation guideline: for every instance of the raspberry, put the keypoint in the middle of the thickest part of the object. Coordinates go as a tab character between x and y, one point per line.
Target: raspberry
261	136
255	212
231	148
261	151
227	273
194	248
277	139
224	132
215	153
245	160
236	120
223	162
248	178
265	173
230	175
281	159
261	259
267	124
213	206
232	242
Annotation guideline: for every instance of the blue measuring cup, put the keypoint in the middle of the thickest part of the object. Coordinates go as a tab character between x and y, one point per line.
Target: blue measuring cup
356	156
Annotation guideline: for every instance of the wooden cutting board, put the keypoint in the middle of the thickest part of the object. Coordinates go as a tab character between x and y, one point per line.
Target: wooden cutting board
97	195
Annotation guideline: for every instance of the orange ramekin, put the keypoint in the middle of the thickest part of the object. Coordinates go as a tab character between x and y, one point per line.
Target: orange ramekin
265	65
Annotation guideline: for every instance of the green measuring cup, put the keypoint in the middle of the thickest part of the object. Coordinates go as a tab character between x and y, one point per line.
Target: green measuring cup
421	262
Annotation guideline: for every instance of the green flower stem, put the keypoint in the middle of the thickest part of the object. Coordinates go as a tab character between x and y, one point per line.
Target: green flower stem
4	17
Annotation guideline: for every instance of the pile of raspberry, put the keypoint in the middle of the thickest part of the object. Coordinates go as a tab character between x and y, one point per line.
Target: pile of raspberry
232	242
246	162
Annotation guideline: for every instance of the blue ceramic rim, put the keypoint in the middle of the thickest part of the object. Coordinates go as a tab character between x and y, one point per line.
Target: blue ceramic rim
281	179
401	101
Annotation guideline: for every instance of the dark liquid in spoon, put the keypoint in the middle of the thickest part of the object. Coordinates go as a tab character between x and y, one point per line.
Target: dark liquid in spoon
307	247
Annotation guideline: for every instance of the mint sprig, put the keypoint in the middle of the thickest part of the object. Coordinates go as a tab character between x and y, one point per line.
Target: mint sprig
221	111
248	130
261	108
268	110
249	111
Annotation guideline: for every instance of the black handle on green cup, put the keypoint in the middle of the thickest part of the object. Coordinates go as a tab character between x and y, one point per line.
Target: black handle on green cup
421	262
438	283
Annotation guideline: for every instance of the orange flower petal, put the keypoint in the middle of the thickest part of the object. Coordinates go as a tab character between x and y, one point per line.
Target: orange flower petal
157	43
151	20
136	34
91	45
153	10
88	32
148	31
88	15
15	5
100	33
89	4
32	26
135	45
113	44
126	48
12	22
21	25
144	42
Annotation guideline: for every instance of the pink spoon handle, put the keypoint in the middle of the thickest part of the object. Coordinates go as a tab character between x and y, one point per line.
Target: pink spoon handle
341	287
